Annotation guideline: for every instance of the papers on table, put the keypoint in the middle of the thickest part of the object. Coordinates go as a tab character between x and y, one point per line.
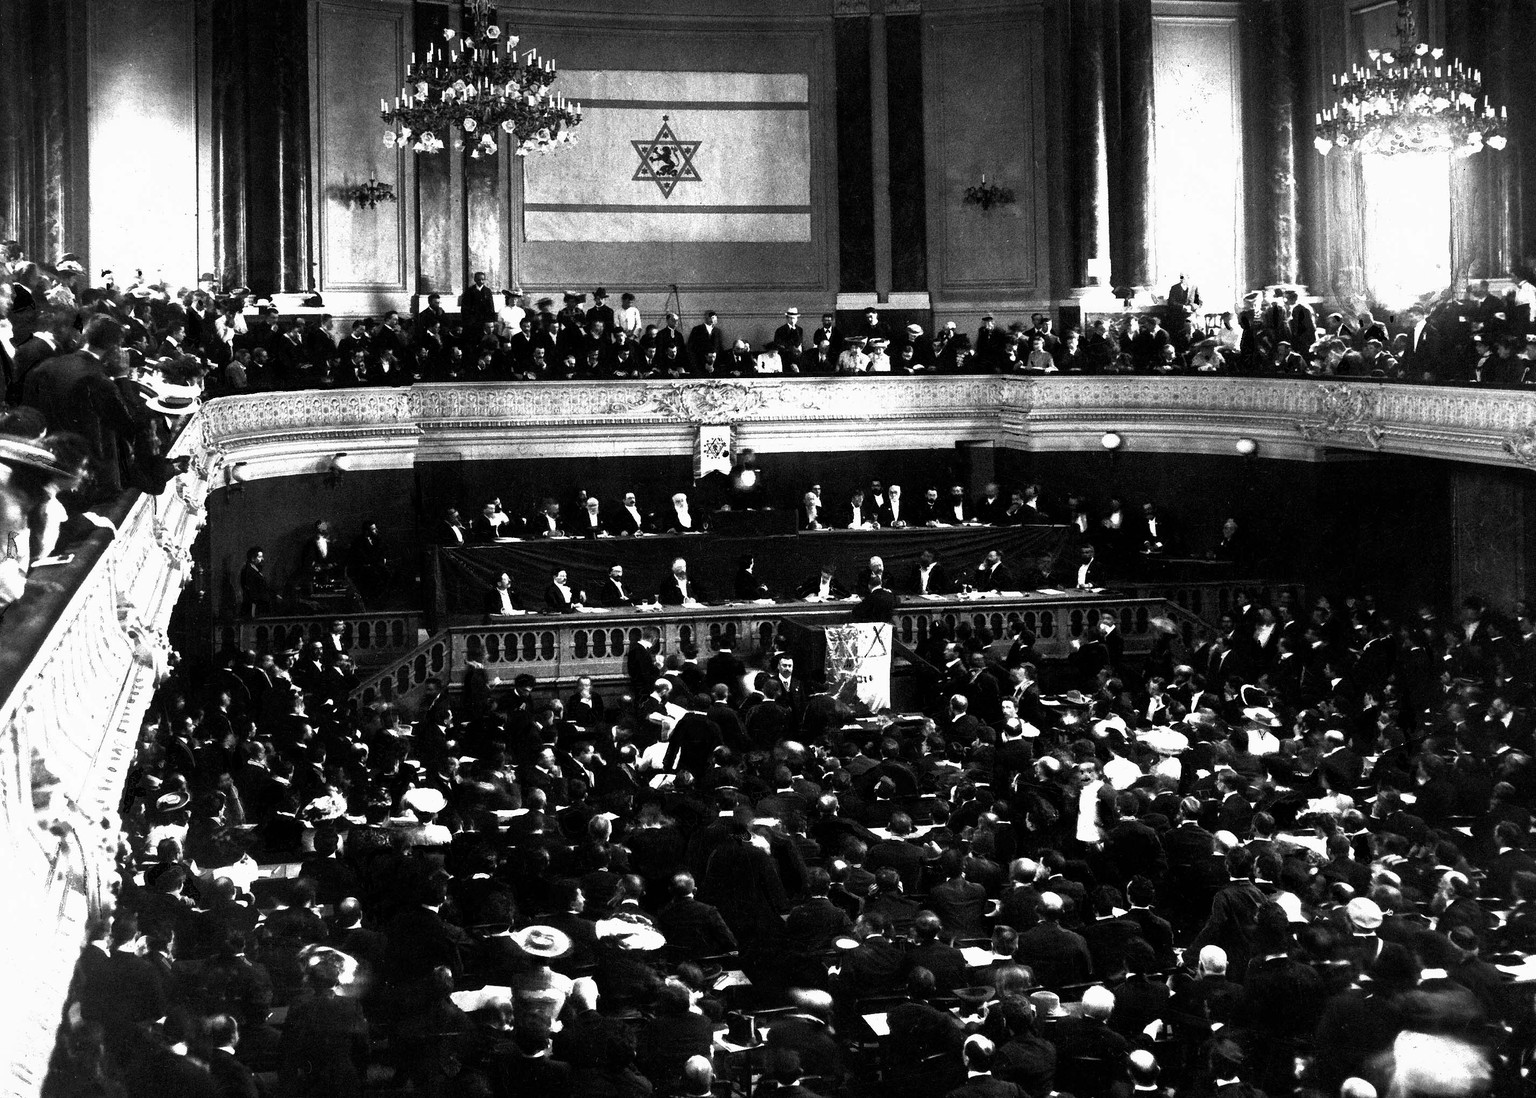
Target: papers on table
978	956
731	977
481	998
918	832
1523	973
879	1023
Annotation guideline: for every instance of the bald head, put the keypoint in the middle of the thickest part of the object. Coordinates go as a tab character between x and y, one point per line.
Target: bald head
1051	906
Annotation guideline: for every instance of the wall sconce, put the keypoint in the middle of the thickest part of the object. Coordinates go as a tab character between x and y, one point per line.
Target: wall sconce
1111	441
986	197
371	193
1246	447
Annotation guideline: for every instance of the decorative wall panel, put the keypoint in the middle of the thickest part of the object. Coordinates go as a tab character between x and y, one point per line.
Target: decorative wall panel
985	73
358	57
144	168
1198	155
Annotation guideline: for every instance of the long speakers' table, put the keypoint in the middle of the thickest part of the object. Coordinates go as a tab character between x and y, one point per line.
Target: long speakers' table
462	577
556	648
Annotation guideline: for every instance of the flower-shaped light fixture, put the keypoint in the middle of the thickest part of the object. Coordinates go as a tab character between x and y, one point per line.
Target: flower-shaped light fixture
1413	100
476	87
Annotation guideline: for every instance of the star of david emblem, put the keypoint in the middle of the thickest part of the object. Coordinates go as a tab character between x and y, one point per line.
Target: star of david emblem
666	161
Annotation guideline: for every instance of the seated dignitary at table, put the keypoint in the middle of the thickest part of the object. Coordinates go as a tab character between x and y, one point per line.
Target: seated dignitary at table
928	576
560	597
893	513
678	590
491	523
546	523
749	586
590	524
822	587
676	518
451	530
627	519
502	599
615	592
992	574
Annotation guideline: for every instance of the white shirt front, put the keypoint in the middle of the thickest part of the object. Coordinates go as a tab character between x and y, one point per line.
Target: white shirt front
506	600
824	591
634	513
684	519
922	578
1082	575
1088	813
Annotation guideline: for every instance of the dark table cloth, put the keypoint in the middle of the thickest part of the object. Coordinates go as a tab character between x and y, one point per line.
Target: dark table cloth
461	578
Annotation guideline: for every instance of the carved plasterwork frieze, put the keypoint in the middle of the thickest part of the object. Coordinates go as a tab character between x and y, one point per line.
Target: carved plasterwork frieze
1343	410
1522	445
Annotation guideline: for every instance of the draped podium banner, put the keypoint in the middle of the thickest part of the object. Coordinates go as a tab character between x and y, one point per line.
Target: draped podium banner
712	452
680	156
859	663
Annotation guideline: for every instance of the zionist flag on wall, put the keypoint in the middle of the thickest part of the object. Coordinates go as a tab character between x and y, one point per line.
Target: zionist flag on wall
683	156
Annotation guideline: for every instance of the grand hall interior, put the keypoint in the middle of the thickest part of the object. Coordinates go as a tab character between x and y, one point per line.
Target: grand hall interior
734	548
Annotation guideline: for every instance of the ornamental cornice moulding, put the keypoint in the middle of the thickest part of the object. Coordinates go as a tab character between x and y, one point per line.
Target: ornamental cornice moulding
279	429
1343	409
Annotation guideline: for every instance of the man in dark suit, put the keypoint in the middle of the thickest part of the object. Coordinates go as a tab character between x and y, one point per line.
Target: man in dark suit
823	586
790	338
677	589
546	522
451	530
945	961
878	605
706	337
991	343
477	304
1054	954
692	926
1422	356
929	511
992	574
501	598
75	393
978	1054
614	591
626	520
43	344
928	577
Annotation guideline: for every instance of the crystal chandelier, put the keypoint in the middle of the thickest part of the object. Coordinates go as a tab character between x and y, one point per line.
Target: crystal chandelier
475	87
1412	101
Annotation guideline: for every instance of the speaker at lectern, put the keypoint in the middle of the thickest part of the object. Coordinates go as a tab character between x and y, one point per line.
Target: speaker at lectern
854	659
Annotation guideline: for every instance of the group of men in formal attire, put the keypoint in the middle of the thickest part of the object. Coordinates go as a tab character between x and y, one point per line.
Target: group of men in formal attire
1152	869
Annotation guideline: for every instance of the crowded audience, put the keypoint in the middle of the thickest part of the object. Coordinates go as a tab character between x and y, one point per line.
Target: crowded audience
1287	860
242	342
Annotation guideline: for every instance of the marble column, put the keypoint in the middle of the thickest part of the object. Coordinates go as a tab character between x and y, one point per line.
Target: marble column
1089	178
1281	133
261	120
855	153
1130	158
439	203
43	151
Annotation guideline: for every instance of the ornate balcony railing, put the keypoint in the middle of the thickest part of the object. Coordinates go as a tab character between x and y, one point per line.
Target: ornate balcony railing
372	639
275	434
565	647
83	650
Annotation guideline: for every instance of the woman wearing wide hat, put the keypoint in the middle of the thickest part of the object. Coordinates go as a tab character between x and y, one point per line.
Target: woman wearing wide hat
540	988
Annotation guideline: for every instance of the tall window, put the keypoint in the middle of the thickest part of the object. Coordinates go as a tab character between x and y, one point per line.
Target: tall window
1407	226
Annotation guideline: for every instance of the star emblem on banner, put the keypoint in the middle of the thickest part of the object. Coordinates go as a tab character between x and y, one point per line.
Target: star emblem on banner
665	160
